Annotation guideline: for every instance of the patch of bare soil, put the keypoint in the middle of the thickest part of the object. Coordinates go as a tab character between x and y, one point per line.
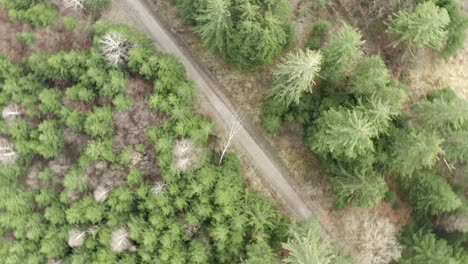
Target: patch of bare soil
50	39
427	76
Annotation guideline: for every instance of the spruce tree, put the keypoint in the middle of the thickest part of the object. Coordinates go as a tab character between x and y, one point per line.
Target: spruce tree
414	150
370	76
295	76
215	24
343	49
343	133
424	26
306	246
362	188
429	193
440	114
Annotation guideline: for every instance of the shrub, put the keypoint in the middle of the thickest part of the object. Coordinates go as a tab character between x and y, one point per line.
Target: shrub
39	15
96	7
70	23
424	26
26	38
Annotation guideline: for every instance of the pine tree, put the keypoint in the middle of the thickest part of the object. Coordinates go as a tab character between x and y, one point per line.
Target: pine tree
424	26
343	49
296	76
215	24
414	150
343	133
360	188
306	246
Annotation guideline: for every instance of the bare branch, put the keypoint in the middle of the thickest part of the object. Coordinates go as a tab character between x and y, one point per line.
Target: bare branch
73	4
11	112
233	129
185	154
76	237
120	240
8	154
115	48
101	193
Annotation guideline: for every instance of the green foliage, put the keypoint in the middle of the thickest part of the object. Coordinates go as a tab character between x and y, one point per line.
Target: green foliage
424	26
50	139
430	193
343	49
423	247
320	30
99	122
343	133
370	76
70	23
455	146
295	76
39	15
122	102
26	38
305	246
80	93
271	114
214	24
361	188
259	253
50	101
440	114
414	150
249	33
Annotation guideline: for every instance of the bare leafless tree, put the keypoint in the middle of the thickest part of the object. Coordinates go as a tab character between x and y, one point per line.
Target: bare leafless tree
159	187
453	222
54	261
8	153
185	153
101	193
120	240
115	48
232	131
76	237
74	4
371	239
11	112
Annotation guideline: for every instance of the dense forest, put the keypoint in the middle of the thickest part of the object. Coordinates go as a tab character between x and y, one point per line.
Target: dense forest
103	158
368	135
105	161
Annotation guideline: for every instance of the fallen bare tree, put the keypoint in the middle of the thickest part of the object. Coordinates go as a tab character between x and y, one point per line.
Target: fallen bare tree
11	112
120	240
76	237
233	129
73	4
8	153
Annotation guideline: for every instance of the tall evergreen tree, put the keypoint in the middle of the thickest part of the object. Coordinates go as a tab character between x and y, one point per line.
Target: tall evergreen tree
343	49
424	26
360	188
441	113
413	150
295	76
429	193
343	133
215	24
369	76
306	246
